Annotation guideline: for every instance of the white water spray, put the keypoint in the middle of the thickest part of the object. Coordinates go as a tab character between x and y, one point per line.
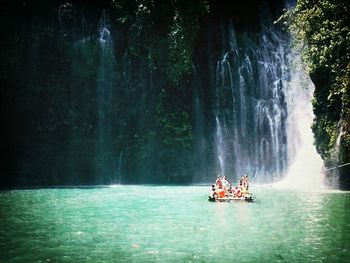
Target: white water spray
305	167
250	112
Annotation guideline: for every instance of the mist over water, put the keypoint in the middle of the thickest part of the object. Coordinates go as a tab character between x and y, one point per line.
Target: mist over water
305	164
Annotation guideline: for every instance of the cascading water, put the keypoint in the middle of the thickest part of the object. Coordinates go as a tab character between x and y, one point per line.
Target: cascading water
332	174
120	164
200	146
263	111
304	170
251	108
103	96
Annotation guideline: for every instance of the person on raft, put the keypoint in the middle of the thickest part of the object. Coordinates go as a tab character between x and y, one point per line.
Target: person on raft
218	182
213	195
225	184
245	182
237	192
223	188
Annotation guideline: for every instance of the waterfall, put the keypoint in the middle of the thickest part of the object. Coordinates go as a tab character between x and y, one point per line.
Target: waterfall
263	112
120	163
251	109
200	146
333	172
104	80
338	142
220	146
104	85
305	164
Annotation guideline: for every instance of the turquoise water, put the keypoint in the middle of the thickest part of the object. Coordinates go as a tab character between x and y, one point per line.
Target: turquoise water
172	224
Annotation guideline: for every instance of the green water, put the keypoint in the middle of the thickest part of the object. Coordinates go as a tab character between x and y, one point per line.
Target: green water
172	224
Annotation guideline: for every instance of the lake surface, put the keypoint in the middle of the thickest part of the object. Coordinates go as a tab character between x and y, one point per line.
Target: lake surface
172	224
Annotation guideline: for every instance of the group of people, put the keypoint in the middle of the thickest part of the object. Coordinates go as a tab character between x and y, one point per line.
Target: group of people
223	188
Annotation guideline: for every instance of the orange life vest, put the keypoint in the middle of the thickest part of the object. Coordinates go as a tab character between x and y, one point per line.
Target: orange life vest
221	193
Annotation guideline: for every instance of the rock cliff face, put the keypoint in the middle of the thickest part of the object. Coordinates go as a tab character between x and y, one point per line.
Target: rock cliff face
332	125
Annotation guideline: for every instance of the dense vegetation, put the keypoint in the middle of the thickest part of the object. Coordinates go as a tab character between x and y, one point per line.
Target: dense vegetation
73	114
57	85
51	65
321	32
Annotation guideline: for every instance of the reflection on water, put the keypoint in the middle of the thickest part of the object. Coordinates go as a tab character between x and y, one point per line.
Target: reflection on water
172	224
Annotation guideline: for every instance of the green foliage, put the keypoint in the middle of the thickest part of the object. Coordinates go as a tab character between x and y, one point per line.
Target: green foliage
181	37
321	33
161	34
175	127
163	29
